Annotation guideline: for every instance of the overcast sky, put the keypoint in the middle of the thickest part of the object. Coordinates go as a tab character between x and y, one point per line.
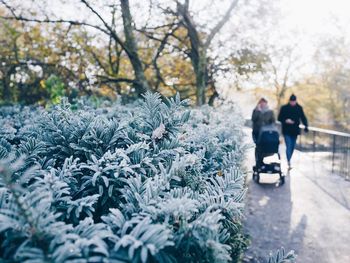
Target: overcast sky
314	15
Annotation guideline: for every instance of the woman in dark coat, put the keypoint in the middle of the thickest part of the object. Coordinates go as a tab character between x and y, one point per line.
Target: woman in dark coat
262	115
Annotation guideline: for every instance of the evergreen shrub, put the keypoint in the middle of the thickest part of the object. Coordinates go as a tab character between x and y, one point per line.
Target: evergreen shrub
150	181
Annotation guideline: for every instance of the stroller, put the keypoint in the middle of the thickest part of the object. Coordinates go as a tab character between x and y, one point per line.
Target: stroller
267	145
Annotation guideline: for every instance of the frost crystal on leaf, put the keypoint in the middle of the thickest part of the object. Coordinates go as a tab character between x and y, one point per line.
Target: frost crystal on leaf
159	132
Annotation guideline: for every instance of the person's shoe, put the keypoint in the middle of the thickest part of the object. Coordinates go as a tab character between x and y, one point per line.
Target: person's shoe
289	166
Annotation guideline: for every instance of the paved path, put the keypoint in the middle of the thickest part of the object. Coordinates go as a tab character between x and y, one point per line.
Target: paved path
310	213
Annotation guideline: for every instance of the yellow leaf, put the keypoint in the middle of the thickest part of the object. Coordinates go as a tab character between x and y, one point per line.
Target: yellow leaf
42	84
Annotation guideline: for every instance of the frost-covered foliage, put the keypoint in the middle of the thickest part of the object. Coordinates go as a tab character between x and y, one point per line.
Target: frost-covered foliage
148	182
282	257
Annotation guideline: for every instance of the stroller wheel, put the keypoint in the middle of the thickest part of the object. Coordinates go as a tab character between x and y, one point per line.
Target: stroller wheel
254	169
282	178
256	177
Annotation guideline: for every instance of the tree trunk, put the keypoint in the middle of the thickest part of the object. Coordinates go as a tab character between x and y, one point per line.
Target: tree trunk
6	89
141	84
213	96
6	93
279	101
201	71
279	94
199	47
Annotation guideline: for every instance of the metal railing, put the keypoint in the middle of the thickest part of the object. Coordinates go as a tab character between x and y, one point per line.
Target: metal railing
332	148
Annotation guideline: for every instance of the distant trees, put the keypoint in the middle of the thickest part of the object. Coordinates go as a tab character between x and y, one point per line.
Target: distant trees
27	57
324	91
131	47
273	64
332	59
280	65
116	45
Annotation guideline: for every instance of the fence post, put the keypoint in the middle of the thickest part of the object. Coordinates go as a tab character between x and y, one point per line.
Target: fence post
347	156
333	155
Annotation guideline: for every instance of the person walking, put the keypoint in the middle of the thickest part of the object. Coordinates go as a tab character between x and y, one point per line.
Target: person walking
262	116
290	116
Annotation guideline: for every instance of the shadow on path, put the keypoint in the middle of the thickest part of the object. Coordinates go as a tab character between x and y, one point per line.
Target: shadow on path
268	219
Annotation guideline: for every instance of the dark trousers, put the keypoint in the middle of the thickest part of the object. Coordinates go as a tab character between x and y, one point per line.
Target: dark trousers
290	145
255	136
259	156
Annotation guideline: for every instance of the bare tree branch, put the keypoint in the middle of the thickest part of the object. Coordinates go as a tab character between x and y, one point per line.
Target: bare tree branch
106	79
110	30
221	23
161	47
58	21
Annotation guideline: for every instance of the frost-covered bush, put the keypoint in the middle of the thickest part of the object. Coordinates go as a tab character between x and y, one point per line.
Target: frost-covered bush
215	133
148	182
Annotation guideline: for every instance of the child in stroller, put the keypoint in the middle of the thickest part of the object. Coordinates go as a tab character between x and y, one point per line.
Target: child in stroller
267	144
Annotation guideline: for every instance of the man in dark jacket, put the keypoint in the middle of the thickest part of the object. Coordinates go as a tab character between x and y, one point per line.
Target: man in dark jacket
290	116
